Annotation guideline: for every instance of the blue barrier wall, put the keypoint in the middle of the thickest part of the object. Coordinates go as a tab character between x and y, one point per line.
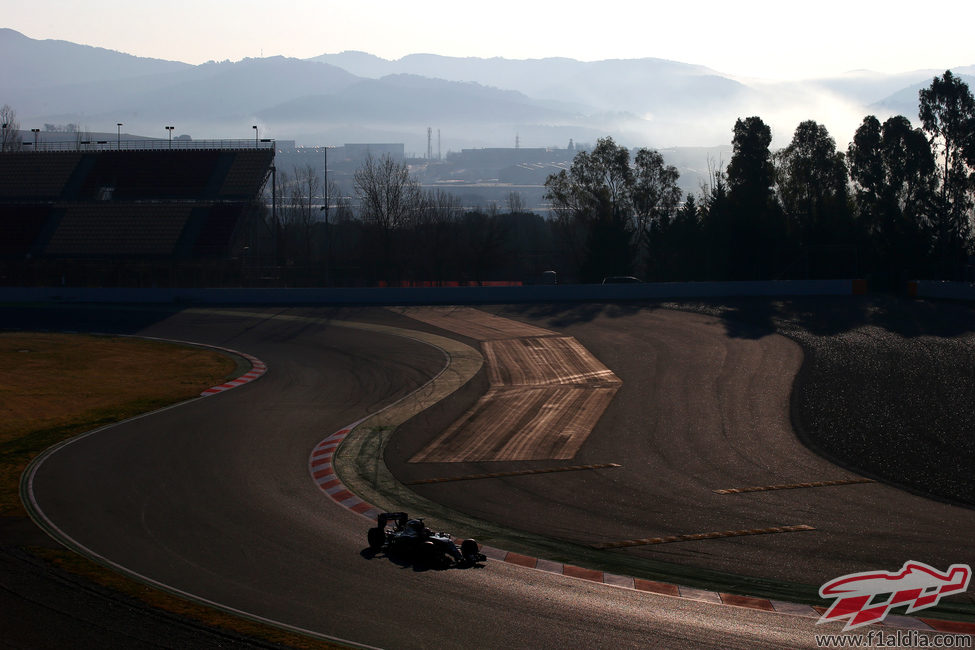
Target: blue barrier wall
431	295
937	289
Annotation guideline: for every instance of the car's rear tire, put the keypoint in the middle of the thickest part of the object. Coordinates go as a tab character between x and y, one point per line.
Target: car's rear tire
376	537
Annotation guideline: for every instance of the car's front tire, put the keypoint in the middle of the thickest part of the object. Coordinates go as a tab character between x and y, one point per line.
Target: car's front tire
469	548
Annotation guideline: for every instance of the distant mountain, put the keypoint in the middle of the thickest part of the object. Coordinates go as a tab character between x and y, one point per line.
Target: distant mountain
410	99
220	90
906	100
631	85
868	87
645	101
472	102
28	63
400	108
304	100
361	64
59	82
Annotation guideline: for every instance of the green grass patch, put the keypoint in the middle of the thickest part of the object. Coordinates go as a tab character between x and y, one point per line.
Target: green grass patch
56	386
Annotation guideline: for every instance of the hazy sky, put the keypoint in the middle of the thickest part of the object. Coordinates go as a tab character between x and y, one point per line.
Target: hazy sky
773	39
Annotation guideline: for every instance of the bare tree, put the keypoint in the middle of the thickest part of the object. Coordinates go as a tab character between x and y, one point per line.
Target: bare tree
302	214
484	238
10	140
388	195
343	212
435	233
516	204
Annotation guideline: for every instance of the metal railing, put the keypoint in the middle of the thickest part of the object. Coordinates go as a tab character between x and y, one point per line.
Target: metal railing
145	145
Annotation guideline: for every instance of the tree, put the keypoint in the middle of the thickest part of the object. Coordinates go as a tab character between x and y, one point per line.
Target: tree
515	203
891	166
908	195
947	112
299	212
656	195
388	194
483	239
751	173
656	200
866	168
968	146
947	109
592	201
675	245
715	216
893	172
908	167
812	181
597	183
812	178
433	235
755	232
10	139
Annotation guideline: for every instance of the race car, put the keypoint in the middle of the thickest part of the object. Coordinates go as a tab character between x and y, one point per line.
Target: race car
401	536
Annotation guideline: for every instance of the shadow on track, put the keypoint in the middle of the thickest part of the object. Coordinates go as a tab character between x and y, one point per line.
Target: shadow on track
752	318
418	566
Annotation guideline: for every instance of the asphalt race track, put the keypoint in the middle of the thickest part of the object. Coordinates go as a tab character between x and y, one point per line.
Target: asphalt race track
213	498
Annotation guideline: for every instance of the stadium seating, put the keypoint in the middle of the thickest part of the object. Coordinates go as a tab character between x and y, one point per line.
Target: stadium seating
146	175
118	230
30	175
20	228
136	205
217	228
246	174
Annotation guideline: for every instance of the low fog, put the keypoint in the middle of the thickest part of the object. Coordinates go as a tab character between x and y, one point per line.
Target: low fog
467	102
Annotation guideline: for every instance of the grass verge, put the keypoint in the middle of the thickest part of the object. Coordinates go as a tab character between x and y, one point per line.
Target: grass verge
55	386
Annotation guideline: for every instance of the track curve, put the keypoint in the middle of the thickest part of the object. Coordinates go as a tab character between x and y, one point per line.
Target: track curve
214	499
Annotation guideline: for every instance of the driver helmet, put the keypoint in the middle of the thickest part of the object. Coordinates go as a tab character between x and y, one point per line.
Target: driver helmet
415	525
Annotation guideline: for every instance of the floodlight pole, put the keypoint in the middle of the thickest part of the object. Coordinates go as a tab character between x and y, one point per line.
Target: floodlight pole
256	132
119	140
35	132
328	235
170	129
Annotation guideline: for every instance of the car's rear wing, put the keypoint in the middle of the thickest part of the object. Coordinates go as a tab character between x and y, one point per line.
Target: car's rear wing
399	517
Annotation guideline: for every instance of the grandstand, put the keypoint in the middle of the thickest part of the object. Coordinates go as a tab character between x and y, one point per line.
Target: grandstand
126	217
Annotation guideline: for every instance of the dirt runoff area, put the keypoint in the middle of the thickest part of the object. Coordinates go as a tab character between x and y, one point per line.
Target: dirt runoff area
546	392
887	387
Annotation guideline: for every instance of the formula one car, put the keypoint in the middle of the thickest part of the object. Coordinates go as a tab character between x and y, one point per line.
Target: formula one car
407	538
